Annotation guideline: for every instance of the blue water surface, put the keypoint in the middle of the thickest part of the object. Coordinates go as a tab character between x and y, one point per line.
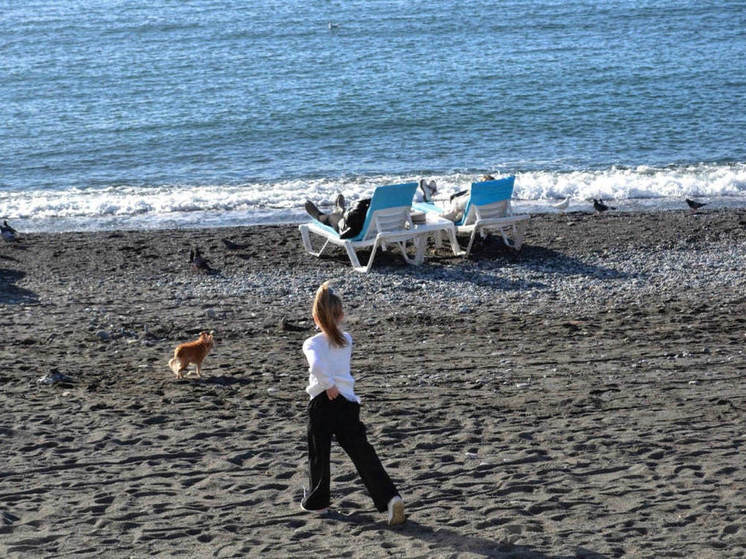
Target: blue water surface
105	94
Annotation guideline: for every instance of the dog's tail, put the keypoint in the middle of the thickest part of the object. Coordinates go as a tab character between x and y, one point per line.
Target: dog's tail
174	364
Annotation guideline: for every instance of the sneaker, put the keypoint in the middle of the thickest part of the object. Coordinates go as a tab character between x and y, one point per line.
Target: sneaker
428	190
339	204
425	190
312	210
315	511
433	188
396	511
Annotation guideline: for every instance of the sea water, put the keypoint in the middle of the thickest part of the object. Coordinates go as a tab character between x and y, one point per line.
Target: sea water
131	114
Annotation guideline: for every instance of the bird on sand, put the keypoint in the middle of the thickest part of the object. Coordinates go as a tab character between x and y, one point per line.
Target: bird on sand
563	205
55	377
230	245
199	262
694	205
7	232
600	207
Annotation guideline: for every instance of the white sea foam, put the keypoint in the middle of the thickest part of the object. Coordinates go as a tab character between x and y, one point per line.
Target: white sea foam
282	201
640	182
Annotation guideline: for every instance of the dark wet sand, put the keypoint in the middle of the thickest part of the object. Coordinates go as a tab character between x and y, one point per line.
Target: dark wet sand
597	430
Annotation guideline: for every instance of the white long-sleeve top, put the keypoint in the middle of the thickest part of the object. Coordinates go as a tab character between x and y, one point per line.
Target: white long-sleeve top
329	366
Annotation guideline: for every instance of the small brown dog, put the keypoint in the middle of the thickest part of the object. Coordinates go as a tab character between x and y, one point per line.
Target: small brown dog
191	352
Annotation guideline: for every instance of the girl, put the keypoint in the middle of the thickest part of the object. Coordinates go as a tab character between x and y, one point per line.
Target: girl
335	410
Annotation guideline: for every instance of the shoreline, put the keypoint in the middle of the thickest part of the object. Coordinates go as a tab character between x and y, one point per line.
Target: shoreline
580	399
220	219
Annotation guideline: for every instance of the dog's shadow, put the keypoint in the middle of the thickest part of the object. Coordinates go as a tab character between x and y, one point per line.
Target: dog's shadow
226	380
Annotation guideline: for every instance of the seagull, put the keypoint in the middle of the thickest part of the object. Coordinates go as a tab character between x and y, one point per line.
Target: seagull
600	207
333	25
562	206
199	263
55	377
694	205
8	233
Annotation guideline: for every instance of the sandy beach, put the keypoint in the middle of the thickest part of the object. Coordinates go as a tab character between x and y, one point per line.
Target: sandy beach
584	398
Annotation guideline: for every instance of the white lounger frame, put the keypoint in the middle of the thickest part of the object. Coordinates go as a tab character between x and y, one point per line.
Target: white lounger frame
492	217
388	226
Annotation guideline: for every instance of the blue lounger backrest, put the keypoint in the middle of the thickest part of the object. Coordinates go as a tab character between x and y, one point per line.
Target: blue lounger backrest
390	196
488	192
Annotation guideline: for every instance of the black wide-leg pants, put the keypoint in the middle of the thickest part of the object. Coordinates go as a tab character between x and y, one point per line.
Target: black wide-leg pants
341	418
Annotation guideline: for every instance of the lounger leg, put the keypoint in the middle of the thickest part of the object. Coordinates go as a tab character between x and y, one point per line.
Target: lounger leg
455	247
419	247
506	239
519	230
471	241
365	269
352	255
323	248
519	233
306	237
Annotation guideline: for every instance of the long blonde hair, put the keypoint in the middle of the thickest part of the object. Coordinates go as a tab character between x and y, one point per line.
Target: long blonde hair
327	310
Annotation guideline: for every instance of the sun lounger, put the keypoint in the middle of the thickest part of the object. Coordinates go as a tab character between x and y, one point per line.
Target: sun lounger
387	221
487	210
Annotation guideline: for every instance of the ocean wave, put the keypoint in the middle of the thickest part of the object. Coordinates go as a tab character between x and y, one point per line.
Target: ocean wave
635	183
279	201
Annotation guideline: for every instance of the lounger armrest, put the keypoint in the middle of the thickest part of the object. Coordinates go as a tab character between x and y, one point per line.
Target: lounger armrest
427	207
505	220
322	229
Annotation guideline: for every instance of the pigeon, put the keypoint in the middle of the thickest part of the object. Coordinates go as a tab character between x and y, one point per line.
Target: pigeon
199	263
8	233
694	205
562	206
230	245
600	207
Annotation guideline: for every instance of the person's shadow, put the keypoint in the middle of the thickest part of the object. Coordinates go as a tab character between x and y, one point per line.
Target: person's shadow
489	255
449	539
